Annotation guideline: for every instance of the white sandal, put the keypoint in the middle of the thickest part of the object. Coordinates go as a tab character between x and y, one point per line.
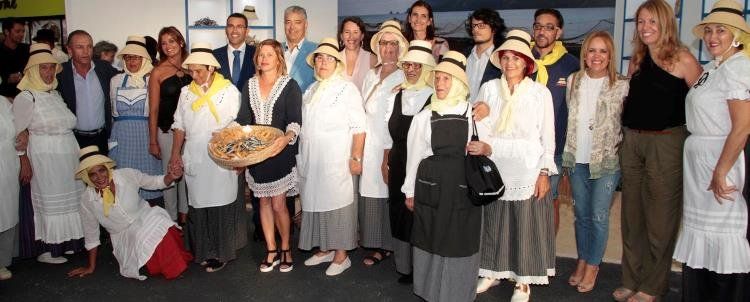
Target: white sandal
520	295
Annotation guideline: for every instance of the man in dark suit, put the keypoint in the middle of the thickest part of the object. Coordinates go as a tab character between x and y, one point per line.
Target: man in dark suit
487	29
84	85
236	58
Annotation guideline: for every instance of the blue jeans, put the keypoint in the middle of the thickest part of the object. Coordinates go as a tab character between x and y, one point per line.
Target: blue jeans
592	199
554	180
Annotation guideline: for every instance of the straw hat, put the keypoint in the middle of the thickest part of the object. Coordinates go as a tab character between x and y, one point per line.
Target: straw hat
249	12
516	40
453	63
89	157
394	27
727	12
136	45
327	46
419	52
40	53
202	54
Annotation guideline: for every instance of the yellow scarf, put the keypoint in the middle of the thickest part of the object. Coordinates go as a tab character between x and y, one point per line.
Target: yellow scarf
324	83
218	84
455	96
136	78
108	199
421	82
33	81
558	50
510	100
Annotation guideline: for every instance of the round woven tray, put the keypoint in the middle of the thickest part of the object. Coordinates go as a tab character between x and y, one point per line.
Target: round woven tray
249	145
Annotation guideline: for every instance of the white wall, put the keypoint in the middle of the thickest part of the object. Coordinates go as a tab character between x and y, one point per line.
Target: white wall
322	18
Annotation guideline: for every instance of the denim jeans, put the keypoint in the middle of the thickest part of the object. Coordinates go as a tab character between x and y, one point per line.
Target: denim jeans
592	199
554	180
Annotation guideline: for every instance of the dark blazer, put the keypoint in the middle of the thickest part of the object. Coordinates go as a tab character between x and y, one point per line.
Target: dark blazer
66	87
246	71
490	72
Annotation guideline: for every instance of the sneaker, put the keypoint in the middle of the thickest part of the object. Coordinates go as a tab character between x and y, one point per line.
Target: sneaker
520	295
47	258
335	268
5	274
315	259
485	283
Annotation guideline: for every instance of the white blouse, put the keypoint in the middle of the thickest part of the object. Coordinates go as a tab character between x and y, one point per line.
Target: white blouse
412	101
361	67
529	143
589	92
325	145
209	184
379	98
9	166
419	141
136	228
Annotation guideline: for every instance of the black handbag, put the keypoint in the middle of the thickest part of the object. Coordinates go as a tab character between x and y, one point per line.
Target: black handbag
483	180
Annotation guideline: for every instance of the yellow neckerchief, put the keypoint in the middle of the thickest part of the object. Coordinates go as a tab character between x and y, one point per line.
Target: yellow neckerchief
136	78
421	82
455	96
218	84
558	50
108	199
33	81
510	100
324	83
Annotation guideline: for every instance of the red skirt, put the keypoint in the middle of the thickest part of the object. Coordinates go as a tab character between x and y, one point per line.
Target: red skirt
170	257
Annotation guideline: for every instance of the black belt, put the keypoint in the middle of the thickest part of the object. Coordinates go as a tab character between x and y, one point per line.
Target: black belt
88	132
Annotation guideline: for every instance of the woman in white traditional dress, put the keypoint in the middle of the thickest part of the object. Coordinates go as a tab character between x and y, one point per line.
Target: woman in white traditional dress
129	97
378	93
518	236
331	146
357	59
712	243
10	168
208	104
141	235
51	157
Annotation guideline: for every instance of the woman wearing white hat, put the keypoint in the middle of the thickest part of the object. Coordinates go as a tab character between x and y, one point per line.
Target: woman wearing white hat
129	95
141	235
9	186
413	95
51	157
378	94
208	104
712	244
331	144
518	237
446	228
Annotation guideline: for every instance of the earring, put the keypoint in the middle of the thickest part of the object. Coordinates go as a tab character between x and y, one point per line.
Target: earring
735	43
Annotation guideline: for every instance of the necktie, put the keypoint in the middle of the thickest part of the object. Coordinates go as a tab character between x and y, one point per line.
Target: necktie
236	68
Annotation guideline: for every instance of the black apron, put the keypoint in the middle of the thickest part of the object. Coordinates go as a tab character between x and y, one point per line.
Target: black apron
398	128
446	223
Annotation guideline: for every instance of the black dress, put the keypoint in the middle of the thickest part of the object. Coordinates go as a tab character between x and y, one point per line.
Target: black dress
398	127
282	110
170	95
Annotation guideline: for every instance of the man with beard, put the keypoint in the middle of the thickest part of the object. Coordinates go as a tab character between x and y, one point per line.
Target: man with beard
487	29
555	65
13	56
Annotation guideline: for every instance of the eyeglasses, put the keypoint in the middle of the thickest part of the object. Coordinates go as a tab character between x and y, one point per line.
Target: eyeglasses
322	58
130	58
392	43
546	27
479	25
409	65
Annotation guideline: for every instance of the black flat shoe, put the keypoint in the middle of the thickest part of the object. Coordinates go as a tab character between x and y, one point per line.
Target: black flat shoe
406	279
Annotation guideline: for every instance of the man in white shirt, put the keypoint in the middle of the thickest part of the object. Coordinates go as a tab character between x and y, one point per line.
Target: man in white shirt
296	47
487	29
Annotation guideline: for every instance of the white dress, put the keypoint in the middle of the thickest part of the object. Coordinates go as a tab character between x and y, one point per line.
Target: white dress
136	228
209	185
379	97
713	235
325	145
53	152
9	166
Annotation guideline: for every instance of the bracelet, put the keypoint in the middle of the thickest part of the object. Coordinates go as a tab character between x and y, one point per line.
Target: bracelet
357	159
544	172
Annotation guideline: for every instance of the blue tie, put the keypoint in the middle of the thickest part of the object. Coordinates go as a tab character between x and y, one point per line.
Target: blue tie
236	67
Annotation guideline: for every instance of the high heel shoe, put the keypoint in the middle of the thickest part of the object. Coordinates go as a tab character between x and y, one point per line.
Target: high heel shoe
589	279
266	266
286	264
578	274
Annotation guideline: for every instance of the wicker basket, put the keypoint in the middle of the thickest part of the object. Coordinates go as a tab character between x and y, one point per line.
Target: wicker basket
258	138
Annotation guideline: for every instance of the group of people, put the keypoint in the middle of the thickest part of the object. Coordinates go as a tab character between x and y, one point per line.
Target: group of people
374	146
